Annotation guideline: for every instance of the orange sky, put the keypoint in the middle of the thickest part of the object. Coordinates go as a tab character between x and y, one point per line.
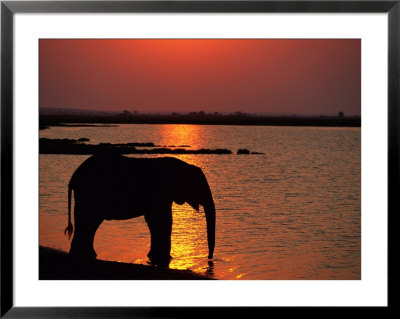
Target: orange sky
263	76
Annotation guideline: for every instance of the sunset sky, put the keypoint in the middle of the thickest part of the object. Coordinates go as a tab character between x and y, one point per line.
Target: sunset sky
255	76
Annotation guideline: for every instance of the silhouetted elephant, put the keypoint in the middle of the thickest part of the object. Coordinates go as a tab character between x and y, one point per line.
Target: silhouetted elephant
112	186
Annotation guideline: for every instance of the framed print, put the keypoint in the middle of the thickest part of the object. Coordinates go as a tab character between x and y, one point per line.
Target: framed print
277	121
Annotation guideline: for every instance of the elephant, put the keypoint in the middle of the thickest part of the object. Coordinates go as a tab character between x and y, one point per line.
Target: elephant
111	186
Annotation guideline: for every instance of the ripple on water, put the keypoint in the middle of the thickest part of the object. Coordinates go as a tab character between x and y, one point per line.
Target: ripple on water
293	213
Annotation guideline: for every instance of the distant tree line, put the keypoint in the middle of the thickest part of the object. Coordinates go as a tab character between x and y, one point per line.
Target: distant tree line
199	113
201	117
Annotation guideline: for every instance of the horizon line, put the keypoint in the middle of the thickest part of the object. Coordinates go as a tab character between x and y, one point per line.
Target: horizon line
192	112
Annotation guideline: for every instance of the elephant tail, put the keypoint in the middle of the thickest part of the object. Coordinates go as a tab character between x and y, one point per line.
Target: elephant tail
69	228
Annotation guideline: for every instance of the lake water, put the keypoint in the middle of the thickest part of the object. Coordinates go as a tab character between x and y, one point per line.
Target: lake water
292	213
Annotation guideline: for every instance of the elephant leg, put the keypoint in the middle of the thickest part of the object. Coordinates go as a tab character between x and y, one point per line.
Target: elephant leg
160	225
86	224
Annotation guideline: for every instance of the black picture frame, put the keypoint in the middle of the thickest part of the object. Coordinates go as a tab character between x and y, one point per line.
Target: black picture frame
9	8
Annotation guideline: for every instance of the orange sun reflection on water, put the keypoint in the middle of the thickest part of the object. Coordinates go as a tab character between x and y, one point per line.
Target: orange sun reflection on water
189	235
179	135
189	239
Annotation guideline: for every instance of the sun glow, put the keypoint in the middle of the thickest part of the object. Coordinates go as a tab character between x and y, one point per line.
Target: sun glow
189	238
183	136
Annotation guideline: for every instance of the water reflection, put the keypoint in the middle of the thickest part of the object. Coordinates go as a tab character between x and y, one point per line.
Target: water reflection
210	269
291	214
189	239
182	135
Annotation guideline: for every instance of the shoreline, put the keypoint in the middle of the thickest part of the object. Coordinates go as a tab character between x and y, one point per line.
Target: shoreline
55	264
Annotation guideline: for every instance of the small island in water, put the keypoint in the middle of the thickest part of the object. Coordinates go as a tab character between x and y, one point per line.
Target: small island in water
80	147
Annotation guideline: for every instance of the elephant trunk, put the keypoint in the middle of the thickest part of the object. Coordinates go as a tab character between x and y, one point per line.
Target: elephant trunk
209	209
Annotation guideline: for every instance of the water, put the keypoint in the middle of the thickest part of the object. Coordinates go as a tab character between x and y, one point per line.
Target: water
292	213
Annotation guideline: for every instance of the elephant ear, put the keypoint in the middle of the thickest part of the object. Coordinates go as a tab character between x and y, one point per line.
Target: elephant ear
186	195
195	205
194	187
185	189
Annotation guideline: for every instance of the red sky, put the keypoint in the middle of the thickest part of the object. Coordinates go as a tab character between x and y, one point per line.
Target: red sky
255	76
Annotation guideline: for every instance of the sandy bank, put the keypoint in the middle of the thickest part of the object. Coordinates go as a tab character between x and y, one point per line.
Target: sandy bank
57	265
